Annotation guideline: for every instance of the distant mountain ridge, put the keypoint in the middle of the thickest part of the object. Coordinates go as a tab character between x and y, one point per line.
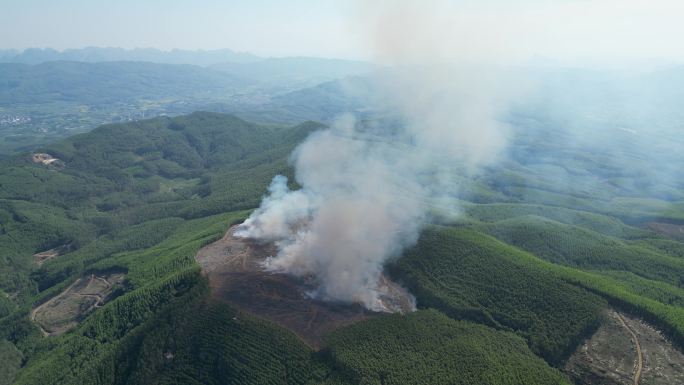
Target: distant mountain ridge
302	71
49	100
226	60
103	54
107	82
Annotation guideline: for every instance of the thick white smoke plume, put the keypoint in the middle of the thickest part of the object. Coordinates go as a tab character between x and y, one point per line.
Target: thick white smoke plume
366	189
357	208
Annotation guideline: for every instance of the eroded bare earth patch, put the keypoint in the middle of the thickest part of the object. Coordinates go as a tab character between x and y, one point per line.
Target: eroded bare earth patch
611	355
65	310
47	255
663	363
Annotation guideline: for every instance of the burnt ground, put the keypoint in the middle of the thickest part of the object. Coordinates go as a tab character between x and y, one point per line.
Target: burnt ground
63	311
234	269
670	230
626	351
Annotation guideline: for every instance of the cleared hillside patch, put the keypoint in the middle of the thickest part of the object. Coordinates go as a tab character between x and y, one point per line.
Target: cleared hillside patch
63	312
624	351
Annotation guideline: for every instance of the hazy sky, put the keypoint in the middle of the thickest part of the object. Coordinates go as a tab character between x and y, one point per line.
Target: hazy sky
565	30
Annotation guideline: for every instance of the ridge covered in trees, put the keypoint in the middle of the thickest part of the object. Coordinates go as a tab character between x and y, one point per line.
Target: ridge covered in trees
506	290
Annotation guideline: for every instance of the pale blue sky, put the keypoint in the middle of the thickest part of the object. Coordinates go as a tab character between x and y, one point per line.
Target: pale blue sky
597	30
262	26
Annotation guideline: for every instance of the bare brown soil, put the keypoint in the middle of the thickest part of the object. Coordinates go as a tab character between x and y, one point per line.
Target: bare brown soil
47	160
667	229
663	363
65	310
626	351
47	255
236	276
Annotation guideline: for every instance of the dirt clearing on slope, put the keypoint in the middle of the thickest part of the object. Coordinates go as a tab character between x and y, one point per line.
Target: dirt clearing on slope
63	311
47	255
626	351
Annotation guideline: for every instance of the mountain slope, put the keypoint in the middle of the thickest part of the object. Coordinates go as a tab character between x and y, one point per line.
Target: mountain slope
138	200
103	54
109	82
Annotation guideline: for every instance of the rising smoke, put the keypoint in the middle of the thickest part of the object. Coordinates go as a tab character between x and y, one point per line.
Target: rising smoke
366	188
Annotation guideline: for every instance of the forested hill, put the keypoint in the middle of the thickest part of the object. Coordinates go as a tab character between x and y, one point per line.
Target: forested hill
109	82
130	205
45	102
117	189
123	174
102	54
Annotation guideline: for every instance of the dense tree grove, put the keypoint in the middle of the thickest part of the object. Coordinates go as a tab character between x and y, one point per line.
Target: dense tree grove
428	347
467	276
576	246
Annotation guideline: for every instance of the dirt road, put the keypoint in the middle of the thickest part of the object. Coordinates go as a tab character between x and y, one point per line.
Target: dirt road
608	357
639	361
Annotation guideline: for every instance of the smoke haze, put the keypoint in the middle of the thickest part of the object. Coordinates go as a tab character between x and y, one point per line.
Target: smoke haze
365	188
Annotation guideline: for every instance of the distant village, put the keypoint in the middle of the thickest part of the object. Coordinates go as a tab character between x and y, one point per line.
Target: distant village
13	120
